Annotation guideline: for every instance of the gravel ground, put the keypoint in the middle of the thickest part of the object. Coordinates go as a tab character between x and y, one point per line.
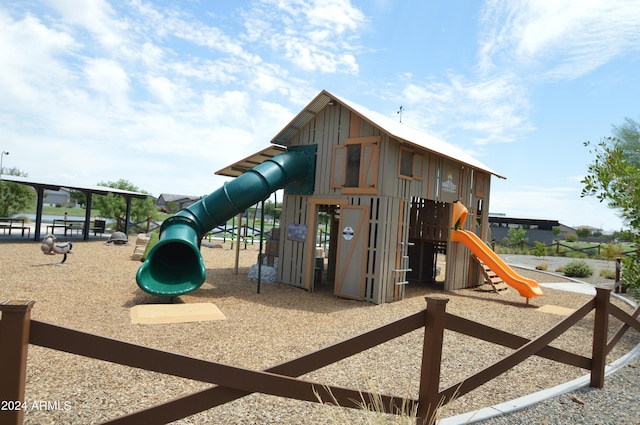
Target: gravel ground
95	289
615	404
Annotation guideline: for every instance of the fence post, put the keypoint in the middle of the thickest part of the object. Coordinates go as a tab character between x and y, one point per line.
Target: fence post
14	340
600	334
428	402
619	286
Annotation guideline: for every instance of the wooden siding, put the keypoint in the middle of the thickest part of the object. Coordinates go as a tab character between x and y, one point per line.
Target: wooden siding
390	222
291	266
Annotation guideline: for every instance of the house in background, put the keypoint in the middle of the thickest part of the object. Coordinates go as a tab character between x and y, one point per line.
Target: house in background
567	231
57	197
166	200
537	230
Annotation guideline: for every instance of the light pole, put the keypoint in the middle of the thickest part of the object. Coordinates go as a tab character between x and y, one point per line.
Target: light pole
1	157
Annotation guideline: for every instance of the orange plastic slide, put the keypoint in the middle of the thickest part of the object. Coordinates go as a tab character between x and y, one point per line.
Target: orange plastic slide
528	288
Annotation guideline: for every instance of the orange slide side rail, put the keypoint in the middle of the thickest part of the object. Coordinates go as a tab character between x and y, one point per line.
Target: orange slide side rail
528	288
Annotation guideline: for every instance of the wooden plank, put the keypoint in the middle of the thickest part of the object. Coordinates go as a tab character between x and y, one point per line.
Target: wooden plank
351	253
401	262
355	125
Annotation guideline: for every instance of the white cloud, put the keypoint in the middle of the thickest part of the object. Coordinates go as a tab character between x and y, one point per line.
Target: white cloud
558	38
29	61
165	90
108	78
333	15
314	35
495	109
95	16
521	43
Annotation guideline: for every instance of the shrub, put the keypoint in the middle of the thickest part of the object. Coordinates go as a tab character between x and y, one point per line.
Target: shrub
577	268
559	269
539	249
576	254
516	236
611	251
571	238
542	266
607	274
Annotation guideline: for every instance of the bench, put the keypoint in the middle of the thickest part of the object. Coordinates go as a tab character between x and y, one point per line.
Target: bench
8	223
74	225
57	224
99	226
67	225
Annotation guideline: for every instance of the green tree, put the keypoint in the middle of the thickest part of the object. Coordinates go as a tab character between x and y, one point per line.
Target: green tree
628	135
14	197
270	209
516	236
115	206
172	207
611	251
79	197
583	232
614	177
539	249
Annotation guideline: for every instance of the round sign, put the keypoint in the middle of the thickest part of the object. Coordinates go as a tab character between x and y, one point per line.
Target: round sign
347	233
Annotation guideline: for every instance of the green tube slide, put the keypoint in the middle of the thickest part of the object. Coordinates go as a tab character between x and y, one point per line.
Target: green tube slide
174	265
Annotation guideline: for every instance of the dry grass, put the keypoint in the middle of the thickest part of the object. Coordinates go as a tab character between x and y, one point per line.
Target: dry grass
94	291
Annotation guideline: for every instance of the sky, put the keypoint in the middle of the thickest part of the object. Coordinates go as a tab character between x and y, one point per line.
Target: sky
164	93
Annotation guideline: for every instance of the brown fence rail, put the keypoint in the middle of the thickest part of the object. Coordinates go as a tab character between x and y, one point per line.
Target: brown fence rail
17	331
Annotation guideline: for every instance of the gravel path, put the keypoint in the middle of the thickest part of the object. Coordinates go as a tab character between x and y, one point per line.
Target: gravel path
95	290
615	404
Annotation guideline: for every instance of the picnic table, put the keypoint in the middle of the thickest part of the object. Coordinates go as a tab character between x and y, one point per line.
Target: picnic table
71	226
8	223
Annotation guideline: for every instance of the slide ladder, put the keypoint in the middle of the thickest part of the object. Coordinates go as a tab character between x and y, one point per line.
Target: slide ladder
490	277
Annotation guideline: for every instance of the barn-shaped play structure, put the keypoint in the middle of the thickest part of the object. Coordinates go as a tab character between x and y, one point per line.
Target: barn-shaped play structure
387	196
386	190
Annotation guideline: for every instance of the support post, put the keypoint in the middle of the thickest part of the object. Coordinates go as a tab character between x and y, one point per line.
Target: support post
260	248
14	340
600	334
428	401
238	230
619	287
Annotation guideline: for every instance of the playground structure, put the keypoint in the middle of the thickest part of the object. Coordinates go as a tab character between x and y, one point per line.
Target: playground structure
384	191
50	247
528	288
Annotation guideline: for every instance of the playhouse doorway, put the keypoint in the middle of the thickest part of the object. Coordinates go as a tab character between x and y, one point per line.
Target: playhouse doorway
428	234
326	238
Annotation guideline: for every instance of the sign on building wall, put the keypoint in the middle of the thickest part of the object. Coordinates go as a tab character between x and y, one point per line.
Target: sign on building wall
296	232
348	233
449	181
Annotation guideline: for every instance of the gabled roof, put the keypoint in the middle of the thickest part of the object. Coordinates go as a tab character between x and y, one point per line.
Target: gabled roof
395	129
